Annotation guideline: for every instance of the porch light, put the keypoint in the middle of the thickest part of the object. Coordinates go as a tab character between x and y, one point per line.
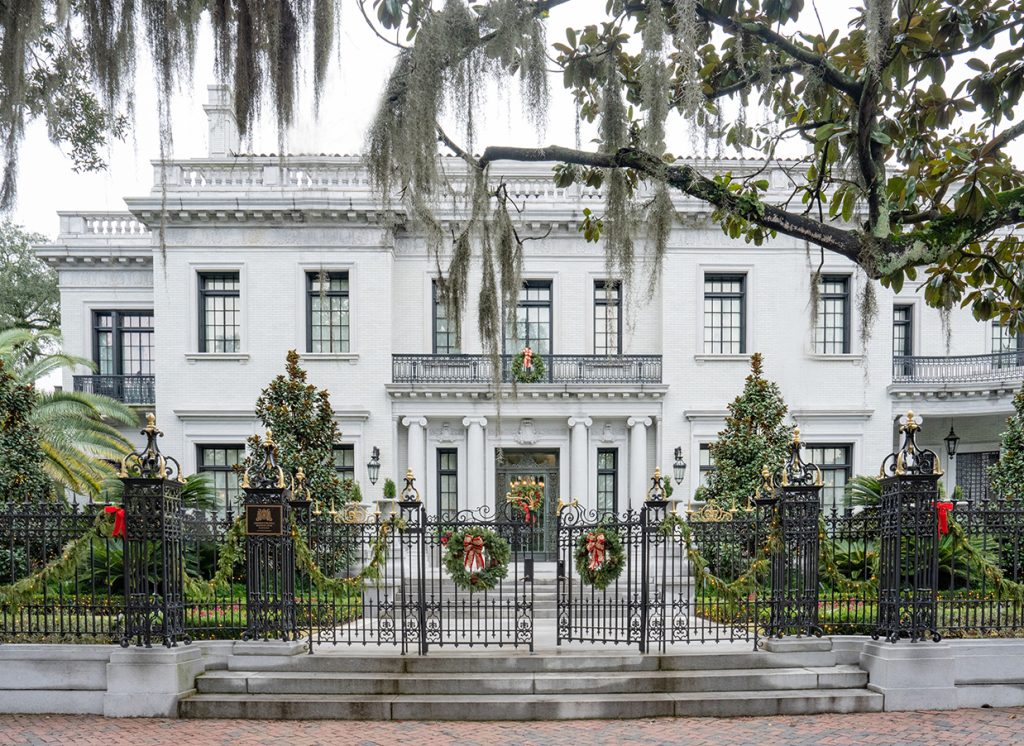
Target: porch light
952	441
679	466
373	465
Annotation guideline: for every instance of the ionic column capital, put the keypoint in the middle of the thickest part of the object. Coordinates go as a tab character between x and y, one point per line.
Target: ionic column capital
481	421
418	421
634	421
585	421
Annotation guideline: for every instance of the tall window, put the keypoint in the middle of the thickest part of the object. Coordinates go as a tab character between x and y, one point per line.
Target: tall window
217	461
832	334
327	310
219	312
446	336
533	319
345	461
447	481
836	464
123	343
725	311
607	318
902	331
607	481
705	464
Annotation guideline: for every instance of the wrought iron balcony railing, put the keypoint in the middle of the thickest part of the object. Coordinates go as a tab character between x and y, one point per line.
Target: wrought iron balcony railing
127	389
997	366
564	369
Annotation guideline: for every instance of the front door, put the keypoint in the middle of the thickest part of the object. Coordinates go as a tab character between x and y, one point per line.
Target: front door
543	467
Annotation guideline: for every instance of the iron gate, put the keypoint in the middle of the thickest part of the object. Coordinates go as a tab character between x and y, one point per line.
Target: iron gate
389	586
656	600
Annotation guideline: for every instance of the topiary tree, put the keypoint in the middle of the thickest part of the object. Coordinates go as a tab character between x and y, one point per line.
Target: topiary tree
754	435
304	429
1007	475
22	478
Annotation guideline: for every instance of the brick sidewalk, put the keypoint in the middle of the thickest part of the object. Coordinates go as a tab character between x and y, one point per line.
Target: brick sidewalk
959	728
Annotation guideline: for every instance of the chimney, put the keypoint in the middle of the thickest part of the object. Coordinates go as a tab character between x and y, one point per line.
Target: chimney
220	116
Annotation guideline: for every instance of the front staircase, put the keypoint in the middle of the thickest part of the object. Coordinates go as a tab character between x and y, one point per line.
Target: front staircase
723	680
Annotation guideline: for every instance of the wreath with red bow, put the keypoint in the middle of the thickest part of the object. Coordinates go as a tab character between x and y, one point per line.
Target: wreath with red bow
475	557
600	558
528	366
526	497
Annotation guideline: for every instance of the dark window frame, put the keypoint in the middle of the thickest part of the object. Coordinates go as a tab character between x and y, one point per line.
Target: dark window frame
842	503
453	333
205	293
613	472
606	286
907	324
314	276
847	283
702	468
525	303
443	472
344	472
741	295
116	330
203	467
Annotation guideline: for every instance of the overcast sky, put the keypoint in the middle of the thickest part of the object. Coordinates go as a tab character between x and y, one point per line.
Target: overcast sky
47	183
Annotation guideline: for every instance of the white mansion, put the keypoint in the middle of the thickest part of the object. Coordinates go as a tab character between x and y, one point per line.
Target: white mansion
264	254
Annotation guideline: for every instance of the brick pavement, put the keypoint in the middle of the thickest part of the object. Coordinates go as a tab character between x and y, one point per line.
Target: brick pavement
958	728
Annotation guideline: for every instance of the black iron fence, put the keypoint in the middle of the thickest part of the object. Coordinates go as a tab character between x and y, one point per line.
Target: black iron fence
565	369
139	389
997	366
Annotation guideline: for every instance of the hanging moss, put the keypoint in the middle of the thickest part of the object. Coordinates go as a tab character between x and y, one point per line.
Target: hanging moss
868	303
654	80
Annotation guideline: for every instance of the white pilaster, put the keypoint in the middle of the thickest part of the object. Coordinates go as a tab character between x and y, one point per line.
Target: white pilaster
578	471
417	459
638	460
476	458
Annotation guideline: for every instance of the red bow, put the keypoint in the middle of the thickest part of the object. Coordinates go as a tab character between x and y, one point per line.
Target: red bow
595	547
524	505
527	358
944	508
473	553
119	524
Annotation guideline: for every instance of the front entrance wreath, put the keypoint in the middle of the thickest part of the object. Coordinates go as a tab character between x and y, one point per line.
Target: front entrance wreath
599	557
475	557
528	366
526	496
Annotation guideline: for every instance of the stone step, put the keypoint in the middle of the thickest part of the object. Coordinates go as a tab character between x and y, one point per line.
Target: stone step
604	682
528	706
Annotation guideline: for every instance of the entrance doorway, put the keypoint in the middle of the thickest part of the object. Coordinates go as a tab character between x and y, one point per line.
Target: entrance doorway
511	465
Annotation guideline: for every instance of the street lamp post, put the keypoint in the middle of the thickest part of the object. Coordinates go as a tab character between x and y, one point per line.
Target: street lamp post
678	466
952	441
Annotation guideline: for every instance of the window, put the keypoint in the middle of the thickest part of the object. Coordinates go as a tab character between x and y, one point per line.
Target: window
219	312
123	343
832	333
327	311
607	481
345	461
972	473
902	331
705	464
533	320
1004	341
725	310
217	460
836	467
446	336
447	481
607	318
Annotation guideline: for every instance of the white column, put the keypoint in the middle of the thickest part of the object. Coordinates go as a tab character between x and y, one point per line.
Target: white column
417	460
578	472
638	460
476	458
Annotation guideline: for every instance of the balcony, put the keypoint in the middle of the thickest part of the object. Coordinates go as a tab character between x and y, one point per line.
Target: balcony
133	390
616	370
997	367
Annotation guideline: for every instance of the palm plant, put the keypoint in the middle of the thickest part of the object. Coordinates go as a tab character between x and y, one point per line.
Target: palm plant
77	431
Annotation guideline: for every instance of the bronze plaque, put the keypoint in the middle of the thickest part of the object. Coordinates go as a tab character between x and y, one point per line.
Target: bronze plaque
264	520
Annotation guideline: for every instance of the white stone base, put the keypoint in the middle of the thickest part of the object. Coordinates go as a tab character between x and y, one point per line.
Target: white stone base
911	676
149	682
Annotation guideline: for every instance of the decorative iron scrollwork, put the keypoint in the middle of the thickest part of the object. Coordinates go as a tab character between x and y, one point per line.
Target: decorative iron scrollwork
265	474
910	459
795	472
149	463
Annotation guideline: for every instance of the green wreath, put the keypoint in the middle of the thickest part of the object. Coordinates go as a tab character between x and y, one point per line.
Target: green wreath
600	558
526	497
531	375
475	557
